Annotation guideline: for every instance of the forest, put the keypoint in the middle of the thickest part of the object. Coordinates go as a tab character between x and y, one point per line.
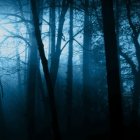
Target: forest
69	69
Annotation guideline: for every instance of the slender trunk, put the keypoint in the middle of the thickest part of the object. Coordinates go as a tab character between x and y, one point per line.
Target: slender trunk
18	61
31	78
86	64
136	98
31	90
32	74
52	29
2	122
112	65
44	62
136	93
18	67
56	57
2	119
70	73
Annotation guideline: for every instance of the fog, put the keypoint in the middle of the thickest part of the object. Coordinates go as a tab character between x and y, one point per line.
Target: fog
73	38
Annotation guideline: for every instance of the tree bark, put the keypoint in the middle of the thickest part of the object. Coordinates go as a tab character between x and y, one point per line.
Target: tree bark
70	73
44	62
52	29
113	72
2	122
86	64
31	84
56	57
136	91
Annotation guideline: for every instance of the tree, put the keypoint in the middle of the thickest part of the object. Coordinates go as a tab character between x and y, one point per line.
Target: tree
136	93
2	119
52	28
135	70
112	66
69	88
56	57
31	75
87	37
44	62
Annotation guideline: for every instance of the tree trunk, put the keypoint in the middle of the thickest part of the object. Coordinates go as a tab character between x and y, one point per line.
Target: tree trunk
136	99
2	122
136	91
52	29
113	72
70	73
44	62
55	60
86	64
31	84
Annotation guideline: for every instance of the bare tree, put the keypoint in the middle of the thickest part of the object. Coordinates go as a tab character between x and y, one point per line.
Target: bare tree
56	57
44	62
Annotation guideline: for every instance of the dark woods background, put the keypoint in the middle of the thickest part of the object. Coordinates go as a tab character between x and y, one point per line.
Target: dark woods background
69	69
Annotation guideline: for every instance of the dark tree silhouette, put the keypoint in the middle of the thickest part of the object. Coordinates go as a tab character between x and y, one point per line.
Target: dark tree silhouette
31	75
2	121
86	61
113	74
44	62
69	87
52	29
136	72
56	55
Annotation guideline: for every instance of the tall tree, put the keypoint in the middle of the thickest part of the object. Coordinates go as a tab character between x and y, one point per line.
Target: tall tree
31	75
113	74
70	71
44	62
56	57
136	72
86	61
52	28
